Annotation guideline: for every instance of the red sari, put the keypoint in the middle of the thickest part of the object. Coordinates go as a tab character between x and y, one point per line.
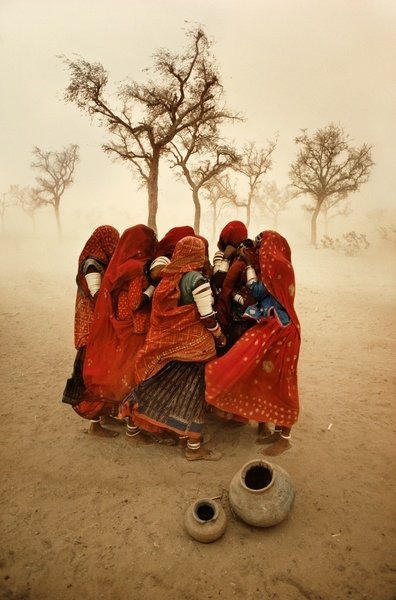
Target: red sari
119	326
257	378
100	246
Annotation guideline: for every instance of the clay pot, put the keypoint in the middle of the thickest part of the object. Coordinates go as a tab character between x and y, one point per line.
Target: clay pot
205	520
261	493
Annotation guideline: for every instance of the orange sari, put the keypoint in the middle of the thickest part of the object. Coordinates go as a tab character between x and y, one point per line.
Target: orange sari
257	378
176	331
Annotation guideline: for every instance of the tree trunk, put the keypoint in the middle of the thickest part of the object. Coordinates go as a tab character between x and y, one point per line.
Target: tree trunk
197	212
152	189
314	222
57	217
247	215
214	219
326	222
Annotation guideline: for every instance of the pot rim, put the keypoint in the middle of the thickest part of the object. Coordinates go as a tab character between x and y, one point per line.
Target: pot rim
260	463
201	502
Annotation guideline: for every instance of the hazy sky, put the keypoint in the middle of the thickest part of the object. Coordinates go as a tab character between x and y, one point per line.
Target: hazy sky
285	64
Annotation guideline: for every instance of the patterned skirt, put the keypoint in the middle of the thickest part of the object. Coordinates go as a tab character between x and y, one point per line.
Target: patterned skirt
173	399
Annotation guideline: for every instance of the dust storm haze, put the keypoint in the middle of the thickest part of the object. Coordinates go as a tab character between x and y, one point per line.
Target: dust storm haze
85	518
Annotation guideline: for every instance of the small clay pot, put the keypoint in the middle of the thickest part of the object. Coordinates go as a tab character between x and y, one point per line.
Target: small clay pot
205	520
261	493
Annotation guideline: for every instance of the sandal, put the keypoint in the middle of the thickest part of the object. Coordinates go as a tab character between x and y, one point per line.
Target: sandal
207	455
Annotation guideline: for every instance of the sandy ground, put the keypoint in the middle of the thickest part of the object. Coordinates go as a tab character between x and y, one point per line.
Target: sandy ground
93	518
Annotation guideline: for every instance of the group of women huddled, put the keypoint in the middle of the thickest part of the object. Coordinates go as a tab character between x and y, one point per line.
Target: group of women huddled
164	338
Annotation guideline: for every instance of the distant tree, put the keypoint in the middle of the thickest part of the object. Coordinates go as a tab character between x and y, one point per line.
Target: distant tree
6	202
201	159
24	197
56	175
272	200
328	167
219	194
187	92
253	165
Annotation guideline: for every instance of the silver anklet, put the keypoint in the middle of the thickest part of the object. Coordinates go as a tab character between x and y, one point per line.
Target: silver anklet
132	431
193	445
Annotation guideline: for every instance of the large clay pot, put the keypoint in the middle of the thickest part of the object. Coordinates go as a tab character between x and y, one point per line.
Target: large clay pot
261	493
205	520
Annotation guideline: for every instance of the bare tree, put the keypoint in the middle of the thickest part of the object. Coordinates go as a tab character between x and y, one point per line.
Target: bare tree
56	170
24	197
254	163
6	202
328	167
200	158
272	200
187	91
219	194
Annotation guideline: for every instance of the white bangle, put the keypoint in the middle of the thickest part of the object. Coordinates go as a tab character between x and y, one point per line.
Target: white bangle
93	282
238	298
224	265
250	274
203	298
215	331
149	291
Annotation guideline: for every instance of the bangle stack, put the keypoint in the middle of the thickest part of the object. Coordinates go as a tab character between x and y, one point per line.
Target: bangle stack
215	331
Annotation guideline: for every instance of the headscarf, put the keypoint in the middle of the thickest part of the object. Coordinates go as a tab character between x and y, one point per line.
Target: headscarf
135	247
206	243
277	271
233	233
167	244
99	246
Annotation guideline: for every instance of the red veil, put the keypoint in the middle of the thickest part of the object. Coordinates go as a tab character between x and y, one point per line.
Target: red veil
233	233
118	328
167	244
257	378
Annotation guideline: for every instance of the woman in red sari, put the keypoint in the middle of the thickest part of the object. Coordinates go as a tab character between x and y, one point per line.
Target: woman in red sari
119	327
92	264
183	336
257	378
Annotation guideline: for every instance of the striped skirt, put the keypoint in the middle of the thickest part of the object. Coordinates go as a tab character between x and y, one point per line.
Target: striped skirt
173	399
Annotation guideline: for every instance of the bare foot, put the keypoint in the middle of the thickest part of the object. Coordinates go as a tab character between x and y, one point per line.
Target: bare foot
269	439
202	454
278	447
263	431
97	429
